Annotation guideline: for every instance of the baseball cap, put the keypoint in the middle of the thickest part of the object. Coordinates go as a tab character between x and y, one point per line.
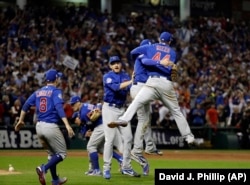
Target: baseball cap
114	59
145	42
74	99
51	75
165	37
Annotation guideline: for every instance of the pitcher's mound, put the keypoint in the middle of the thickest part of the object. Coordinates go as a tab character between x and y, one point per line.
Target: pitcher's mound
5	172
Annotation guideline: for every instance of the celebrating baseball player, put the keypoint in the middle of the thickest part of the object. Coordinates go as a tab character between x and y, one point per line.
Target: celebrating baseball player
140	77
49	109
116	88
89	117
143	128
158	86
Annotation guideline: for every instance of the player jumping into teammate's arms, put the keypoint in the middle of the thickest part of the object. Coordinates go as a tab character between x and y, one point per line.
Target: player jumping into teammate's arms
159	86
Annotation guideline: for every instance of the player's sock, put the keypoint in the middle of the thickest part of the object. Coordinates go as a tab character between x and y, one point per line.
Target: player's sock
117	156
53	161
53	172
94	160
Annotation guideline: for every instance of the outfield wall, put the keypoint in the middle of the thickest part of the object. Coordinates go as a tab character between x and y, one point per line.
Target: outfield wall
222	138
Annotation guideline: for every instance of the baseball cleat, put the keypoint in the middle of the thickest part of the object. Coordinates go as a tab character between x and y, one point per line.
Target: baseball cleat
106	174
155	152
117	123
95	172
139	158
88	172
59	181
40	170
189	139
130	172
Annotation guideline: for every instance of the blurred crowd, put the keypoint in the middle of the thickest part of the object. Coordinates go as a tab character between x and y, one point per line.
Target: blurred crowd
212	52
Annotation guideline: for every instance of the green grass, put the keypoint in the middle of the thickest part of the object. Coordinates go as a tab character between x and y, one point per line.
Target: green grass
74	167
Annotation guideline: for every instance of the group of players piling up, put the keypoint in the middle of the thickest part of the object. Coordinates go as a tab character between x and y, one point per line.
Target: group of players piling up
107	124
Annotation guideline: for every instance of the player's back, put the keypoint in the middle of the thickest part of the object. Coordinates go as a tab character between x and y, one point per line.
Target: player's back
46	99
156	52
140	71
160	51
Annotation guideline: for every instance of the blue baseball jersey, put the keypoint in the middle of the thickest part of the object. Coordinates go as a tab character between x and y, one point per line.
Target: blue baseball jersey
48	102
112	92
84	111
140	71
155	65
156	52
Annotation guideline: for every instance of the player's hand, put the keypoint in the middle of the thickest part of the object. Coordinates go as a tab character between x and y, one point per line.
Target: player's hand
19	125
133	75
166	62
88	133
70	131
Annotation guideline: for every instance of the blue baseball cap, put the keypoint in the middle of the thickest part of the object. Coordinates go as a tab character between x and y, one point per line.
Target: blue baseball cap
114	59
166	36
145	42
74	99
51	75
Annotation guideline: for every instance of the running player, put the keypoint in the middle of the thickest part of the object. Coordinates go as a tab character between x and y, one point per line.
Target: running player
95	131
49	109
116	88
158	86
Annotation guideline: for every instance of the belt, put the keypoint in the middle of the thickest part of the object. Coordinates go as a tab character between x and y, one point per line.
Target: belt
158	76
136	83
115	105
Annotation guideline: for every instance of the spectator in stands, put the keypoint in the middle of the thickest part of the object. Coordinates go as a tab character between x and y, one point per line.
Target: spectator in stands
223	114
236	104
15	111
211	122
244	126
7	110
212	117
235	117
198	115
247	104
1	112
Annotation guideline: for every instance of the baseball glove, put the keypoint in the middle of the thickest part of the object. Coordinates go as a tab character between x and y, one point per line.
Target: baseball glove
94	114
174	73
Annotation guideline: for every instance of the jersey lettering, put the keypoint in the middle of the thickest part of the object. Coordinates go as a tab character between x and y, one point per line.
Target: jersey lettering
167	57
157	56
43	105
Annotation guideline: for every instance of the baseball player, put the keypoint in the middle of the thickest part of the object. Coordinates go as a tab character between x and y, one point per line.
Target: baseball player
116	84
93	128
143	128
49	110
158	86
